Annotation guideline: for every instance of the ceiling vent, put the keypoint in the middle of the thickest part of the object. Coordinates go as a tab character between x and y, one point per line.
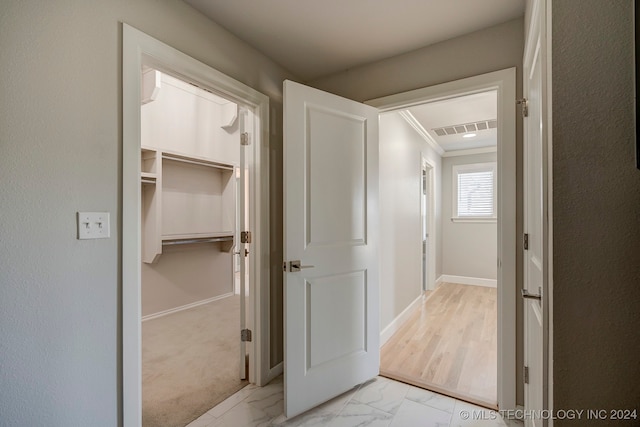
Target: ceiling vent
467	127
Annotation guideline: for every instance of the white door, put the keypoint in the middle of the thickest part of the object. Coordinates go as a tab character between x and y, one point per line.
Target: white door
425	228
243	247
535	208
331	227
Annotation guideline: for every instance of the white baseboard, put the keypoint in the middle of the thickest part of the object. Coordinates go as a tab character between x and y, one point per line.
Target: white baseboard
185	307
393	327
275	371
464	280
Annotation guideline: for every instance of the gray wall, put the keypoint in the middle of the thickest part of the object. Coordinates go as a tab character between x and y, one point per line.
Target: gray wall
401	152
483	51
60	139
596	209
487	50
469	249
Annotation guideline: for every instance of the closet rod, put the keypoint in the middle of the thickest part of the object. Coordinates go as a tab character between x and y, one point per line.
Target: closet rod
195	162
189	241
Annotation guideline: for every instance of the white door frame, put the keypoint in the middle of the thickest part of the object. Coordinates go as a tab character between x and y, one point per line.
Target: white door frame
504	82
137	49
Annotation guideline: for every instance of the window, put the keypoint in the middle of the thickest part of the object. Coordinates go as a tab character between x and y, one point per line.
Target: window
474	192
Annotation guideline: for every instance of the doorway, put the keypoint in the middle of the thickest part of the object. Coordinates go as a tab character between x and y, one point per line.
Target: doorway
503	83
194	192
449	343
140	50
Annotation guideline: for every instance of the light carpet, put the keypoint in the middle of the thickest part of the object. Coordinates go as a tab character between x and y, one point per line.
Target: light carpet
190	362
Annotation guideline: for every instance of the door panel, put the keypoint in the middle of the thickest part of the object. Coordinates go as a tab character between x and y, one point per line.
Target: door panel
331	223
535	208
533	390
346	293
335	176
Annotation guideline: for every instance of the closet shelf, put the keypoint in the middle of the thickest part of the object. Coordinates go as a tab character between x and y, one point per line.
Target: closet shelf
199	240
197	235
174	239
195	160
148	178
187	239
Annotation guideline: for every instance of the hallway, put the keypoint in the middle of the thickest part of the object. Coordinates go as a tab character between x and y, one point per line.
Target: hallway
449	344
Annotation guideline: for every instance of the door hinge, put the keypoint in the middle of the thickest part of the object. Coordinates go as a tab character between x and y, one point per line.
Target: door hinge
525	242
245	237
245	335
244	138
525	106
525	374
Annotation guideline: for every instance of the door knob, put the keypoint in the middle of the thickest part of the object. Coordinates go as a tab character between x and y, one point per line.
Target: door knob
296	266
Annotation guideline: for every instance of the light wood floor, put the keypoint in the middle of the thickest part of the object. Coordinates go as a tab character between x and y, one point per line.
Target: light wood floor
449	345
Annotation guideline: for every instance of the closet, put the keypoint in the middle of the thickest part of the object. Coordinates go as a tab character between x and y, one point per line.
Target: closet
190	205
190	152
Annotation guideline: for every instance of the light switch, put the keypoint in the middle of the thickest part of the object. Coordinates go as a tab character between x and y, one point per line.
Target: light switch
93	225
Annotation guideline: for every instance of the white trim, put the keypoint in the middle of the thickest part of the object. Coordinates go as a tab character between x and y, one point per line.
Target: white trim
185	307
504	82
274	372
417	126
470	151
193	90
400	320
491	219
439	281
139	48
548	331
465	280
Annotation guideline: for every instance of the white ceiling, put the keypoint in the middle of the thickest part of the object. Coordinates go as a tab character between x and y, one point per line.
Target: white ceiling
314	38
459	111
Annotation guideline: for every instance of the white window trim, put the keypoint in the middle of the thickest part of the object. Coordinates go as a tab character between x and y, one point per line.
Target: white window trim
473	167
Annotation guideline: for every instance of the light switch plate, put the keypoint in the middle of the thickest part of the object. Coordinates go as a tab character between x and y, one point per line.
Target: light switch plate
93	225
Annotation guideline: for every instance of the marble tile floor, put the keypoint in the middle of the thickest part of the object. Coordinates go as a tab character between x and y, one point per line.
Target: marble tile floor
380	402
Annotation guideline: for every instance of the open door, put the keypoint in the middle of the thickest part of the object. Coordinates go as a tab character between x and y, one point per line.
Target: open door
242	242
330	246
424	208
535	214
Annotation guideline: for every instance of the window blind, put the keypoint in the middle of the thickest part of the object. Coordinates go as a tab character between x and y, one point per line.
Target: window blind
475	194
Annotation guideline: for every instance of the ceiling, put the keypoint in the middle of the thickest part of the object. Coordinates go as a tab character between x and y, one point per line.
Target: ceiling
315	38
477	110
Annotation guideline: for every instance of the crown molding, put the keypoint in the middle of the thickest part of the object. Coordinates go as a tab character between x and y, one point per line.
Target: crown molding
470	151
415	124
